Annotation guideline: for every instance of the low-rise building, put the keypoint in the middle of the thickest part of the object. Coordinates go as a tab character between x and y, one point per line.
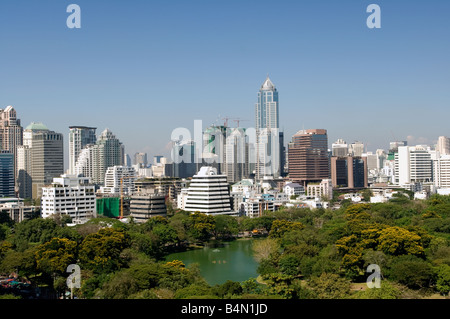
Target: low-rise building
293	189
17	210
72	195
322	190
145	205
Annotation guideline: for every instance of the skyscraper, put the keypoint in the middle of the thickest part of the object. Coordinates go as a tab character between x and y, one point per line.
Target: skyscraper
267	106
236	157
11	133
308	156
95	159
79	138
47	159
349	171
268	148
7	174
24	159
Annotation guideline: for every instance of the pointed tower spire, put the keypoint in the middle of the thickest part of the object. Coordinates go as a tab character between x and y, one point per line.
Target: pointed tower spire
267	85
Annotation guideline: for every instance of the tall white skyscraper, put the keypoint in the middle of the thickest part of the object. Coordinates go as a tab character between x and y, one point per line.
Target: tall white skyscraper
267	106
268	148
95	159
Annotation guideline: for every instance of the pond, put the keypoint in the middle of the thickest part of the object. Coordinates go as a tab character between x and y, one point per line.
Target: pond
222	261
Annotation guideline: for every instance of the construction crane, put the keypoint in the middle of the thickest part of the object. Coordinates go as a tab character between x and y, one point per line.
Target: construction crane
238	120
121	194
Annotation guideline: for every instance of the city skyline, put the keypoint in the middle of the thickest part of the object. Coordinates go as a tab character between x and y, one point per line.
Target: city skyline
146	69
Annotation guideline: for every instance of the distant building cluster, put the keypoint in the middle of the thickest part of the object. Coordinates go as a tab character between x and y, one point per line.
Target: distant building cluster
232	170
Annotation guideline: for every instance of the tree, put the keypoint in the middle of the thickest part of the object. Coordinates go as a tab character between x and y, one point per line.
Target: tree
225	226
200	226
55	255
281	226
443	279
34	231
329	286
399	241
264	248
289	264
228	289
165	233
101	251
411	271
280	285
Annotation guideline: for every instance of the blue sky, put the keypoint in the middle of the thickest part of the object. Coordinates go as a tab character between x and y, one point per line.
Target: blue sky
143	68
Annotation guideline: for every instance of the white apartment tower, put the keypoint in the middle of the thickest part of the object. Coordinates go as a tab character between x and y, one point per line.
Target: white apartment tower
94	159
268	136
79	138
72	195
119	179
443	145
208	193
441	174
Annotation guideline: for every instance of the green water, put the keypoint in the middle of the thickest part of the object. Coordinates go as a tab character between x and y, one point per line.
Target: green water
221	262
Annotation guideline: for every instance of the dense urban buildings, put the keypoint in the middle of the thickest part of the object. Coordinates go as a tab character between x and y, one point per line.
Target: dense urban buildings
250	162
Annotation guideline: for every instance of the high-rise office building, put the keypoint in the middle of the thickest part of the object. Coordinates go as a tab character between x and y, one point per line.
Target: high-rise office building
7	188
24	159
214	147
24	180
79	138
47	159
184	159
268	148
349	171
308	156
236	156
